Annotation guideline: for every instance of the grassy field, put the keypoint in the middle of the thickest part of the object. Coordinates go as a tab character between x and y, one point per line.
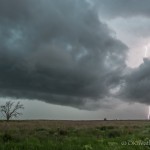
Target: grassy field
75	135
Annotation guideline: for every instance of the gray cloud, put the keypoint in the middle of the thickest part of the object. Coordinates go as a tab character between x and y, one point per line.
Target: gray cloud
57	51
135	27
123	8
137	84
130	18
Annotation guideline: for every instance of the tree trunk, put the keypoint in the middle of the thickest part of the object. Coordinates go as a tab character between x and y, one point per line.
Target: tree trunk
7	118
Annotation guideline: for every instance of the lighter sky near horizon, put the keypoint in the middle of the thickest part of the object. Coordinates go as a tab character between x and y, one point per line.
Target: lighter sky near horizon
63	59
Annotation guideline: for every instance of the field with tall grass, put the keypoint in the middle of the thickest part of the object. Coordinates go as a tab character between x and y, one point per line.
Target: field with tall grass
75	135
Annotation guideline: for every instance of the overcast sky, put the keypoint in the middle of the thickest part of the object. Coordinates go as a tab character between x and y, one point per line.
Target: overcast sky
76	59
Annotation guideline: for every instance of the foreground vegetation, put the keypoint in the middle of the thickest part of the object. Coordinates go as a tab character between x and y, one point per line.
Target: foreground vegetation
75	135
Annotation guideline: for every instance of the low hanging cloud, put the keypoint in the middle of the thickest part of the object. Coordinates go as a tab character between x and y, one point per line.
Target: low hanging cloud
137	84
132	18
58	52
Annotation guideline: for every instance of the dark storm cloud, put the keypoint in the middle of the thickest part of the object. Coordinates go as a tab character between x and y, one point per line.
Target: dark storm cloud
132	17
136	87
57	51
124	8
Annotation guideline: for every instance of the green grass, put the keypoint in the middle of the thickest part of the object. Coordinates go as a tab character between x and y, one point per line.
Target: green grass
101	137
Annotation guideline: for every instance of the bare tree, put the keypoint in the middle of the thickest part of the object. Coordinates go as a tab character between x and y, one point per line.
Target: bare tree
11	110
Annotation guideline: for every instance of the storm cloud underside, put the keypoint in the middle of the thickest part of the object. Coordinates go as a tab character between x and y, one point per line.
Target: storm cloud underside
61	52
134	16
58	52
137	84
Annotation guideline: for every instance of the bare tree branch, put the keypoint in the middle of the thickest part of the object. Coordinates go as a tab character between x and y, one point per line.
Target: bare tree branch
9	110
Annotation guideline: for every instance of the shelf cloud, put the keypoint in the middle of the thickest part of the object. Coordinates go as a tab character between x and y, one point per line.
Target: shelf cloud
59	52
63	52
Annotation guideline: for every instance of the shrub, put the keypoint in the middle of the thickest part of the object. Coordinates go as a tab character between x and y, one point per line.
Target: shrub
113	134
6	137
103	128
63	132
105	119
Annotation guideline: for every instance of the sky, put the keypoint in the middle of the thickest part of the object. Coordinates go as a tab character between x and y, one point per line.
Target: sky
76	59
